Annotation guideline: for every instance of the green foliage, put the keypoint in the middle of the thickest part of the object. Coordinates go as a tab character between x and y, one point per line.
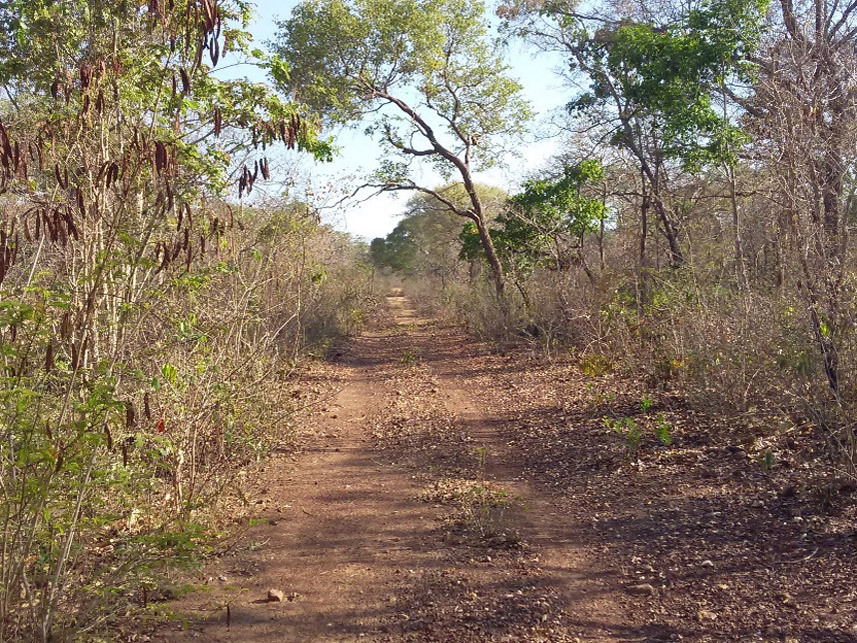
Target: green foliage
630	432
347	58
672	75
548	216
426	240
662	430
596	365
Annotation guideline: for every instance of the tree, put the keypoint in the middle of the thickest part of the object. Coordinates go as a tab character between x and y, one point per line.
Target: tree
426	241
803	115
543	223
426	77
118	150
656	81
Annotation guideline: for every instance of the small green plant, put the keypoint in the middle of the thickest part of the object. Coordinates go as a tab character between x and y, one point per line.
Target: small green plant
484	510
662	430
411	357
630	432
481	508
600	397
646	404
596	365
481	455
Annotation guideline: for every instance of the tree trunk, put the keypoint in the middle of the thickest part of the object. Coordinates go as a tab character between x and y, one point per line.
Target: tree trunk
491	256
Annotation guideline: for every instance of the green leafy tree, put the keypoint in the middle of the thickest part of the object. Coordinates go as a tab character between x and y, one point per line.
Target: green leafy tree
659	82
544	223
426	77
426	240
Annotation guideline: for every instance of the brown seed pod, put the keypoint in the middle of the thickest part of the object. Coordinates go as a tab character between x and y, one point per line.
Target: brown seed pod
65	327
186	86
81	206
147	411
49	358
161	159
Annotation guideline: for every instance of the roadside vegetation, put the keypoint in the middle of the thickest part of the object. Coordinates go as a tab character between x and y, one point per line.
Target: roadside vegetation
695	229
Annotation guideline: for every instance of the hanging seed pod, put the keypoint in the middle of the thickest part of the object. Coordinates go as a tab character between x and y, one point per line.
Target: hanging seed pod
81	206
13	332
61	232
49	358
51	229
38	146
65	327
214	49
160	157
109	437
186	86
130	415
147	411
169	189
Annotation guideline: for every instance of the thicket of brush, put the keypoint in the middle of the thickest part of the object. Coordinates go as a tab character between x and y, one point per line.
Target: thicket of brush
148	320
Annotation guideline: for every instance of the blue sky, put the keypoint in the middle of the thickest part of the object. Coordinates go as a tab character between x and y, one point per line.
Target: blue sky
377	216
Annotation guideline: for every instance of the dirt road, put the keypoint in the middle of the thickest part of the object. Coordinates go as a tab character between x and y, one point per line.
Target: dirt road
440	499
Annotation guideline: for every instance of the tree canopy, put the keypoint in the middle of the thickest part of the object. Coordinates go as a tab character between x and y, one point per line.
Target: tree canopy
424	76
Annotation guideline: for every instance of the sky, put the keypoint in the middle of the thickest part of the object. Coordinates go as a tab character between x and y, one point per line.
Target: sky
377	216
